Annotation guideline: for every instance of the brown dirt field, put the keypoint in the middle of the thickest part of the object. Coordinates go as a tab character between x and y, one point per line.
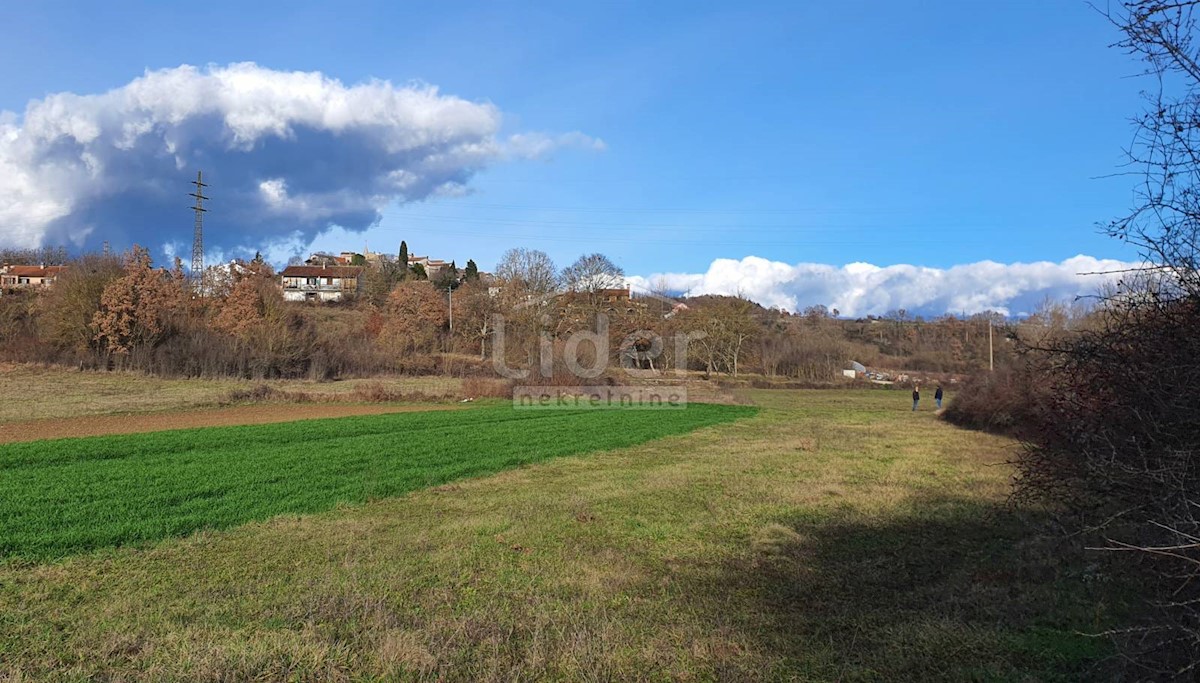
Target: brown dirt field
98	425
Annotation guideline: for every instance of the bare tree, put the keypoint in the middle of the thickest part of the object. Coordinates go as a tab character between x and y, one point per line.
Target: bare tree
529	269
67	310
46	256
1165	221
475	308
592	273
217	281
727	324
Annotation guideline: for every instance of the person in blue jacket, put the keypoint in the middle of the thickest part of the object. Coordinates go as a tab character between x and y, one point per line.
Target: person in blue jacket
937	396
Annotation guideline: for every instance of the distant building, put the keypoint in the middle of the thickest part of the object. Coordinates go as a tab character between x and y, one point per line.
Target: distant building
432	266
492	283
320	283
21	277
610	295
348	258
610	299
613	295
321	258
855	371
375	259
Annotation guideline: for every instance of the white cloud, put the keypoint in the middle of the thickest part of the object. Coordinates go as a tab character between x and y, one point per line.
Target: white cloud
540	145
283	151
859	289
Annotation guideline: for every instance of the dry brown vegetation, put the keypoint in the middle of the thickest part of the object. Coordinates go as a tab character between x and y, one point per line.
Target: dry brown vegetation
137	423
56	393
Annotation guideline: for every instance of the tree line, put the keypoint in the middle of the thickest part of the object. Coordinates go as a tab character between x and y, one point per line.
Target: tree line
121	311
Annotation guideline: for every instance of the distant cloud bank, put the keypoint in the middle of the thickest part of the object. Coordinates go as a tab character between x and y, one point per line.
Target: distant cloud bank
859	289
288	155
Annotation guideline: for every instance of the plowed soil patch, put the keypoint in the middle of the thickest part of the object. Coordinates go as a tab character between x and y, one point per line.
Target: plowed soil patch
99	425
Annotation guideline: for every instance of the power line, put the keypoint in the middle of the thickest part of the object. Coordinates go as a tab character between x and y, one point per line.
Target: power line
740	211
678	240
660	209
627	226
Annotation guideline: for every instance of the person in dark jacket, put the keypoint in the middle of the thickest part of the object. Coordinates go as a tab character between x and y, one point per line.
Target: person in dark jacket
916	396
937	396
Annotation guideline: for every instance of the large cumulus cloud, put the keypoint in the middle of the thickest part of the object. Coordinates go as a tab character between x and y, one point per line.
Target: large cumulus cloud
288	154
860	289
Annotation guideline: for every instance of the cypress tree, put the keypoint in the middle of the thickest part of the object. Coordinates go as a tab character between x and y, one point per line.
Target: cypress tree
402	260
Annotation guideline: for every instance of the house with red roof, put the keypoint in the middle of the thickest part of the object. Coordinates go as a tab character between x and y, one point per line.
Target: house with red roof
320	283
22	277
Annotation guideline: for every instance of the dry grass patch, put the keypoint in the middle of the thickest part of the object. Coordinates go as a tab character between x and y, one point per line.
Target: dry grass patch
63	393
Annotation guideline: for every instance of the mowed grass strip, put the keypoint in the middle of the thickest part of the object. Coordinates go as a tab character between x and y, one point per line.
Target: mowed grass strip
67	496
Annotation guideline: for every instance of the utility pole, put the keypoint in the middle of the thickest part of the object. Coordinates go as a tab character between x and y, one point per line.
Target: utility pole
991	357
450	291
198	236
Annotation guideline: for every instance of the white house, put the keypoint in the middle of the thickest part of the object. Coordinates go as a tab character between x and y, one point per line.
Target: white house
320	283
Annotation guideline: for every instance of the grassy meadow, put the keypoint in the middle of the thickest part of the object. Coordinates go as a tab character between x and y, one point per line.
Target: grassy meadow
832	535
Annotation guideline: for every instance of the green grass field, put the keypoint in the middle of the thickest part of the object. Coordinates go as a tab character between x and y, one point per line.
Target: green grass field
832	536
64	496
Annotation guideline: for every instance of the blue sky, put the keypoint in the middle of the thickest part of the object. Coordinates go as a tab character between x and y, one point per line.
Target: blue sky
930	134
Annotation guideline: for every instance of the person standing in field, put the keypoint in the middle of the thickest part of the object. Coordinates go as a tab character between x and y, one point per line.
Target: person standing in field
937	397
916	396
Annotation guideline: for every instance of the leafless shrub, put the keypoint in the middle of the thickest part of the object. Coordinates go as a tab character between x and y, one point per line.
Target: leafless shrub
376	392
417	365
1117	451
18	342
265	393
66	311
483	387
1008	401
